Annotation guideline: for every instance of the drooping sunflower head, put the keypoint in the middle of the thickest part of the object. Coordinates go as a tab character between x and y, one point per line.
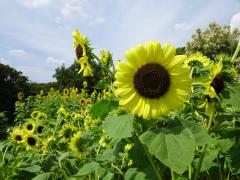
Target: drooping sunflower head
79	44
17	135
29	126
200	66
153	81
67	131
31	141
215	84
77	144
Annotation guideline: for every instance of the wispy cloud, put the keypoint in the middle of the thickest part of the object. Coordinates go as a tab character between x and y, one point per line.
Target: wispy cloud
53	61
4	61
17	52
235	21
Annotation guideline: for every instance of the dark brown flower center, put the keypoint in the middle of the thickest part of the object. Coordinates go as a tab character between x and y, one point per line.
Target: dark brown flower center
31	141
217	83
29	127
79	51
18	138
152	81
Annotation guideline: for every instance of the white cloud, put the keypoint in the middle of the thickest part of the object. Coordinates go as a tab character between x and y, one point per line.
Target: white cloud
54	61
36	3
235	21
97	20
37	74
183	26
17	52
4	61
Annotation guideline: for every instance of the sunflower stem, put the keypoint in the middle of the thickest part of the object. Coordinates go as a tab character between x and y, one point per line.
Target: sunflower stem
205	146
149	156
173	175
236	52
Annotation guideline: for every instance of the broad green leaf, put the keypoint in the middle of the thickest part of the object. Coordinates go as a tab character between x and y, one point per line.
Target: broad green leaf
88	168
199	133
232	98
102	108
107	155
134	174
62	157
229	132
233	159
44	176
209	156
109	176
119	127
224	144
174	147
34	168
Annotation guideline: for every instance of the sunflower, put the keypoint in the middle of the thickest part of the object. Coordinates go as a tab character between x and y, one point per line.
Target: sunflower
49	144
17	135
153	81
20	95
62	112
79	44
17	104
31	141
65	91
40	127
77	144
83	101
41	116
105	56
67	131
30	126
199	57
215	84
34	114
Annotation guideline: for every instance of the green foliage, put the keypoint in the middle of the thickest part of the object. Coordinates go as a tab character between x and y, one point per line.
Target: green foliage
164	142
119	127
214	40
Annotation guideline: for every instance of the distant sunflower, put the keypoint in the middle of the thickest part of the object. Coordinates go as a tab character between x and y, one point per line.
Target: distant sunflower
67	131
65	91
30	126
31	141
82	101
215	84
153	81
17	135
77	144
34	114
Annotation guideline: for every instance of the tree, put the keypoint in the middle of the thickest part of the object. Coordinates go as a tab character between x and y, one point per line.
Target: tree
11	83
215	39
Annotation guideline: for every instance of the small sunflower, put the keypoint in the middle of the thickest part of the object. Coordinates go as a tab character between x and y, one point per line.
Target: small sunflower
17	135
34	114
83	101
17	104
41	116
20	95
67	131
65	91
77	145
105	56
153	81
62	112
215	84
29	126
31	141
204	60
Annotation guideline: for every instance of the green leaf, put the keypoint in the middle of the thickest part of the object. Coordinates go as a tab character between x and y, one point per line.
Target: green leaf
109	176
174	146
209	156
44	176
88	168
102	108
199	133
34	168
107	155
233	159
134	174
119	127
229	132
232	97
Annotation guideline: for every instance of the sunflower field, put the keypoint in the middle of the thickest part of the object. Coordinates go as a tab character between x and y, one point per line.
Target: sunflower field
155	115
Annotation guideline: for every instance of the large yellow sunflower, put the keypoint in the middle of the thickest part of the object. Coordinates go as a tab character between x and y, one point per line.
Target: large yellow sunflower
79	45
215	84
153	81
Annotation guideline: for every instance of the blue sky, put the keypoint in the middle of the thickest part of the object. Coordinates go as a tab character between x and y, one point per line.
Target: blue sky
35	35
